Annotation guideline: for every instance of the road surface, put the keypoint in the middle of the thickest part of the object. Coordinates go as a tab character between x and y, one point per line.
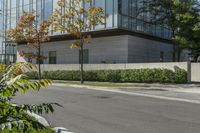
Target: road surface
95	111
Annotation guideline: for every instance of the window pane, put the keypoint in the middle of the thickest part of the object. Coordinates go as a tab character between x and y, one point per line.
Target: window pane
39	10
48	8
133	8
26	5
124	21
52	57
115	13
13	13
124	5
20	7
109	12
140	26
100	3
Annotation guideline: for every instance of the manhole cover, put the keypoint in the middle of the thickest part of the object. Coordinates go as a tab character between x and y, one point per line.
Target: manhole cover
103	97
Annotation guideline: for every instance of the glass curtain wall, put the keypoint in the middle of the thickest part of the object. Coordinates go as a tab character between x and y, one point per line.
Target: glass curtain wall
120	14
44	9
7	20
130	19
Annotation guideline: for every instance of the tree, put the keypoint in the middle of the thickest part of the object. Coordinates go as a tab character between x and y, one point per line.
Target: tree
78	21
181	16
29	31
195	41
13	80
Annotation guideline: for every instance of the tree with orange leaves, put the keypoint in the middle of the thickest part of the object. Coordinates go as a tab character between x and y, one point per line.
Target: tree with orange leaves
78	21
33	34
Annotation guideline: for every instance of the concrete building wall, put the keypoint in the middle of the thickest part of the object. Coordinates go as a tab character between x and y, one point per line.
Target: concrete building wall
145	50
105	49
109	49
114	49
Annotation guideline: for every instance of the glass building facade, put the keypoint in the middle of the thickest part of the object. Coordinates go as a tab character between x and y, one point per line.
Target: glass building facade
131	19
8	49
121	14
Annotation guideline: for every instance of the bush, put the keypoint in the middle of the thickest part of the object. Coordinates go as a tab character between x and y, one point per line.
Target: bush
33	75
180	75
133	75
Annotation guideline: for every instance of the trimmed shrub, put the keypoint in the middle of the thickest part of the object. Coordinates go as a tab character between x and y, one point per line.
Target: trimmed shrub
32	75
180	75
133	75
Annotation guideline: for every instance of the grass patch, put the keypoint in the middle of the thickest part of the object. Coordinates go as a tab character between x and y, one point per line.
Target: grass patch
99	84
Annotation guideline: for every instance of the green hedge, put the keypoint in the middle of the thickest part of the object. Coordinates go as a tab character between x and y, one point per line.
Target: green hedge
134	75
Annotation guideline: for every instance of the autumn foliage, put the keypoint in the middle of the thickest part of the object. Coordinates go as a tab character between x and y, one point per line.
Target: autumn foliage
78	21
32	33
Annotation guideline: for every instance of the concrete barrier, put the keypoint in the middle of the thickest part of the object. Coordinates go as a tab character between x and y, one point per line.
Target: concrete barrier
193	69
195	72
171	66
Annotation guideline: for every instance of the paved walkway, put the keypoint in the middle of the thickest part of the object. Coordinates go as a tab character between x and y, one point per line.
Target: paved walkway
189	88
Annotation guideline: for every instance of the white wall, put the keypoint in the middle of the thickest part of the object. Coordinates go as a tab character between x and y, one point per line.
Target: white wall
171	66
195	72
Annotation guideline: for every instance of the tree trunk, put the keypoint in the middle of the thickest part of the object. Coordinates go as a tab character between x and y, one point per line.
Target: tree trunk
174	46
39	63
174	53
179	55
81	62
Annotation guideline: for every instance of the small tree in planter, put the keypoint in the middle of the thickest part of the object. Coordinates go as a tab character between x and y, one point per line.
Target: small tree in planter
13	80
78	21
29	31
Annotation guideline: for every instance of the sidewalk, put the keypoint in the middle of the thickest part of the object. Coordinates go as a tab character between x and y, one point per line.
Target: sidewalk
187	88
189	93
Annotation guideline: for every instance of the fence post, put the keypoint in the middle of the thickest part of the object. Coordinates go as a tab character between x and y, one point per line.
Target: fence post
189	71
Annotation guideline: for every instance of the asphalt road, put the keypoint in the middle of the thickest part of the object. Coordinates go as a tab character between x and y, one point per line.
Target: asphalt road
93	111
